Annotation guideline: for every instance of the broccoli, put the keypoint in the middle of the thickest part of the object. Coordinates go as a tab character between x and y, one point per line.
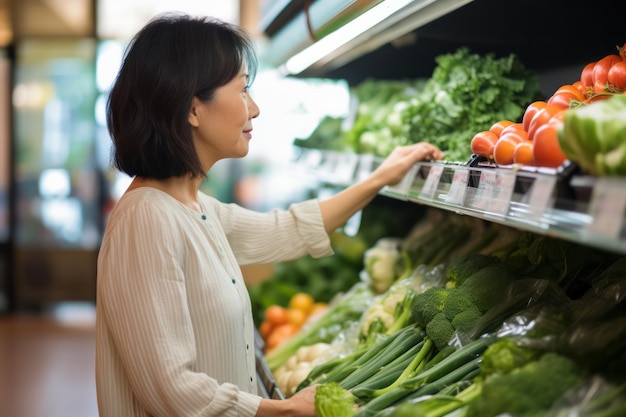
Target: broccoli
513	380
466	319
506	355
487	286
428	304
440	330
526	390
458	301
461	267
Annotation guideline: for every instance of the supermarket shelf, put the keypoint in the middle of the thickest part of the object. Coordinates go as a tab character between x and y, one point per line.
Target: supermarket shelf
555	202
406	43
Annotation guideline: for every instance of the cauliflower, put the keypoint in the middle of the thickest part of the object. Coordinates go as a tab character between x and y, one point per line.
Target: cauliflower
381	264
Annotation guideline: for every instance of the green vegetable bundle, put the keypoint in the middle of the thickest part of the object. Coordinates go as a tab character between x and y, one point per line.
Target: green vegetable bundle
466	94
594	136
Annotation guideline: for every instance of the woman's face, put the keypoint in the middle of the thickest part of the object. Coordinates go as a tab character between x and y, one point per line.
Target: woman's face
222	127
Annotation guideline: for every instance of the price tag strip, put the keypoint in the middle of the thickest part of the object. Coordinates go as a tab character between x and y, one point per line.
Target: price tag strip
456	194
607	207
539	195
432	181
494	191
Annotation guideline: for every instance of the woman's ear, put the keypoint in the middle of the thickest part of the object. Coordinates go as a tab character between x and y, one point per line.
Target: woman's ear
193	117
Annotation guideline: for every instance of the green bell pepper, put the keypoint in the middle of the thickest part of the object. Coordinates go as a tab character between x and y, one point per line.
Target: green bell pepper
594	136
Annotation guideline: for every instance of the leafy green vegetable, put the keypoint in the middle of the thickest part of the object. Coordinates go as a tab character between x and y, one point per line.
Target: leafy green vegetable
333	401
526	390
466	94
593	136
463	266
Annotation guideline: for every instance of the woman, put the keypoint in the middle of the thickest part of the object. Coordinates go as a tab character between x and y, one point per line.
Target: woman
175	335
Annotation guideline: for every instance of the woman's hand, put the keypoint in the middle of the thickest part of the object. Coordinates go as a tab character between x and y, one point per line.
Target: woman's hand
340	207
301	404
401	159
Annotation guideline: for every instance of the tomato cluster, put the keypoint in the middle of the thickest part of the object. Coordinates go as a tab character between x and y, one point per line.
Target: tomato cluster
533	140
607	75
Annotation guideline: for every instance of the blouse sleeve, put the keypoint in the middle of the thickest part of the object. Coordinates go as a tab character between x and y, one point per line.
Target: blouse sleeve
275	236
141	292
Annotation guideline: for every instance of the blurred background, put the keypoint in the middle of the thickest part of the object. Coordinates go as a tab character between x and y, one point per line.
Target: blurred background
57	61
59	58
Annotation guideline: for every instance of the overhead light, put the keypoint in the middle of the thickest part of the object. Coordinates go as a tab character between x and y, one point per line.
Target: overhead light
331	42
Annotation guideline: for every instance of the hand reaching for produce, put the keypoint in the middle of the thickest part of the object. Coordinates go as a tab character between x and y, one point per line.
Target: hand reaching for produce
402	158
339	208
302	404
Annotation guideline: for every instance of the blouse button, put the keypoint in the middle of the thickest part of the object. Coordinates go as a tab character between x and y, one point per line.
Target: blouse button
233	280
203	217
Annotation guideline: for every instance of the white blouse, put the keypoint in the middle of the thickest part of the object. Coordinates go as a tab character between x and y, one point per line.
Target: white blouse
175	334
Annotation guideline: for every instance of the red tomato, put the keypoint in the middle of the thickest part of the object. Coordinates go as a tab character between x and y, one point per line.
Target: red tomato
523	153
530	112
580	87
498	126
504	149
601	70
512	128
564	95
541	118
586	77
483	143
617	75
546	149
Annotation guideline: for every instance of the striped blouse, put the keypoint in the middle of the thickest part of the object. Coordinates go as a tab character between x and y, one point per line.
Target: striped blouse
175	334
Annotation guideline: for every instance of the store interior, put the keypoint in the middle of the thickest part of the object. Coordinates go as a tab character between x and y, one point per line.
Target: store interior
58	59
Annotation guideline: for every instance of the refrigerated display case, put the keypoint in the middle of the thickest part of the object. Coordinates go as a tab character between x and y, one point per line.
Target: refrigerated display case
551	38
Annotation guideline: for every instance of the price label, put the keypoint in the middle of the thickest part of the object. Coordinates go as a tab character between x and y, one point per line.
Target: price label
494	191
403	187
607	206
505	184
431	183
540	194
486	190
456	195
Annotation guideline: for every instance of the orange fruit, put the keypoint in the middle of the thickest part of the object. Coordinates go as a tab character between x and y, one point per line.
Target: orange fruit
301	301
276	315
280	334
296	317
265	329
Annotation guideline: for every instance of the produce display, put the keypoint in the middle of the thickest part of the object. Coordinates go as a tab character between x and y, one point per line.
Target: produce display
466	93
462	317
593	136
518	325
491	108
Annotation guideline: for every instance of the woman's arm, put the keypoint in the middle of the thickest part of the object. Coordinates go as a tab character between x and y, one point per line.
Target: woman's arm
338	209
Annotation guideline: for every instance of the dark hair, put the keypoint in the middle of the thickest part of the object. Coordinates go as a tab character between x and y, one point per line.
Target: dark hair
171	60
